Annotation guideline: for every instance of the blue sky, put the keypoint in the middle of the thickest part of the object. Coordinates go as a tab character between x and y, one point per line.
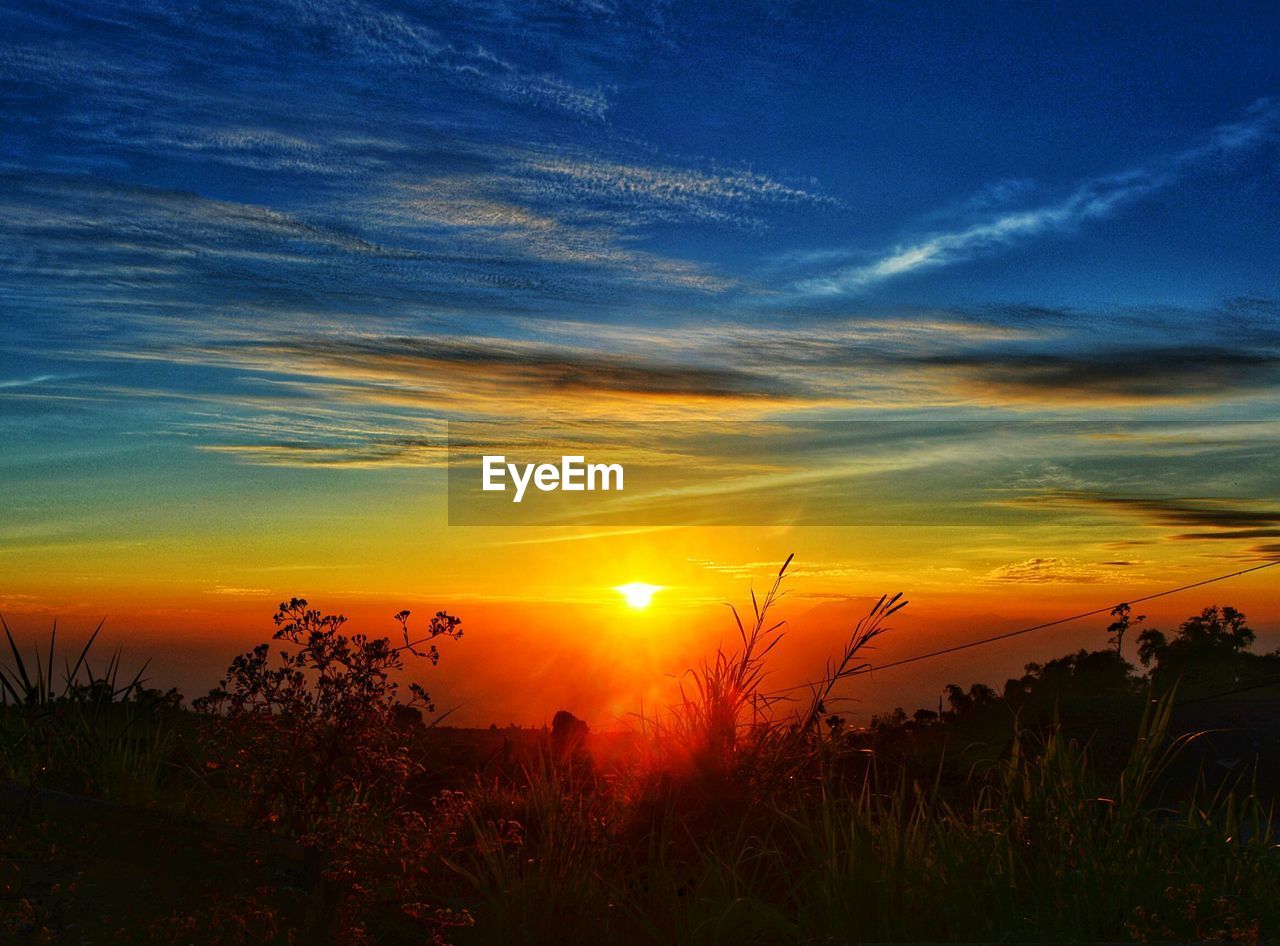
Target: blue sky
307	233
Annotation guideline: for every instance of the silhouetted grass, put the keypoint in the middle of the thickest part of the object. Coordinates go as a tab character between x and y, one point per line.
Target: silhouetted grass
84	729
753	828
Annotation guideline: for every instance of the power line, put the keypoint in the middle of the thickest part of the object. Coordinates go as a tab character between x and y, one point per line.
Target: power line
1048	624
1215	696
1075	617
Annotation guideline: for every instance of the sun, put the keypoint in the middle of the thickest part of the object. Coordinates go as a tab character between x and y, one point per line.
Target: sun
638	594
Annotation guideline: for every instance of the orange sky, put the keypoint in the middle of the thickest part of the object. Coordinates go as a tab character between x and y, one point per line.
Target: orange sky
545	628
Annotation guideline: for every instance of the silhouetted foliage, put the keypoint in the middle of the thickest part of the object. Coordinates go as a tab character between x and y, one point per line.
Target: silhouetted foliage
1209	651
977	699
317	745
1086	674
1211	633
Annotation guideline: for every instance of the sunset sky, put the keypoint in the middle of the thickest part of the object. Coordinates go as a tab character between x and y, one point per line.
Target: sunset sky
991	291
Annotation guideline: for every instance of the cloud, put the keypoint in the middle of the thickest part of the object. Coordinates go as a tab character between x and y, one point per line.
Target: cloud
1232	520
472	210
1089	200
81	247
415	47
1212	513
393	39
378	401
585	536
769	569
314	389
1092	200
1044	571
1155	373
234	591
1230	534
509	362
29	382
366	453
464	144
74	215
636	195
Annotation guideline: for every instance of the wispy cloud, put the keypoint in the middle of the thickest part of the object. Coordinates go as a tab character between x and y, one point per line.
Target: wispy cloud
1231	521
310	390
496	364
1203	512
412	44
473	211
394	39
367	453
1133	375
1089	200
633	194
30	382
1046	571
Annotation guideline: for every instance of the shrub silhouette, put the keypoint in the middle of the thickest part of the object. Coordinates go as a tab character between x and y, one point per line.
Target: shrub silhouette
317	745
568	736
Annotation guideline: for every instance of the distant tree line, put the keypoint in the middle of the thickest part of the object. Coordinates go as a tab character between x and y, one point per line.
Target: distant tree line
1209	655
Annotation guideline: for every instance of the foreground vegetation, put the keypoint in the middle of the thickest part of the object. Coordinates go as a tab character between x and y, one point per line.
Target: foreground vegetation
305	800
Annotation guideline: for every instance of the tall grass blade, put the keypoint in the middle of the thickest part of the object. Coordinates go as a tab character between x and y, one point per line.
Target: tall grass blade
84	655
19	665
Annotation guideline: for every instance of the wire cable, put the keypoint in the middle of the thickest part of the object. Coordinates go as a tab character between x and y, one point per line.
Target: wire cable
1047	624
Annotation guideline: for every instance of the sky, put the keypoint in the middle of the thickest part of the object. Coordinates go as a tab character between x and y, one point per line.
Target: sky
981	303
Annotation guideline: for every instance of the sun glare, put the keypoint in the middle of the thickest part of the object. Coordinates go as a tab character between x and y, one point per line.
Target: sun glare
638	594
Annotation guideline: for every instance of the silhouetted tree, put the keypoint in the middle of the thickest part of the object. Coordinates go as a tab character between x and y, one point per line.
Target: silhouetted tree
1210	644
1083	675
1121	625
924	717
979	697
